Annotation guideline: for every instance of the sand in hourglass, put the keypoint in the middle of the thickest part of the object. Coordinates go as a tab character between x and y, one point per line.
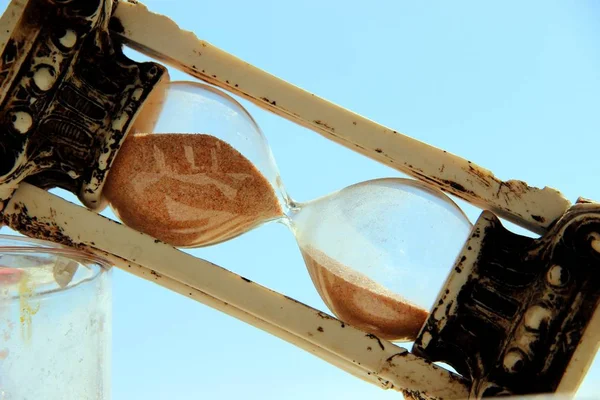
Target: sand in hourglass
188	190
196	190
362	302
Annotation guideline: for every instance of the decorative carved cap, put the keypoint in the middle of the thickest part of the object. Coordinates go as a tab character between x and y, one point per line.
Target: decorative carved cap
68	96
520	315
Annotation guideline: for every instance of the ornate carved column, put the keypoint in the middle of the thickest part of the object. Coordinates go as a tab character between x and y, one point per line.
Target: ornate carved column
520	315
68	96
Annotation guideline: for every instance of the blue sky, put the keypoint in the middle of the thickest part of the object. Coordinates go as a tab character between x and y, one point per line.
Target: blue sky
513	87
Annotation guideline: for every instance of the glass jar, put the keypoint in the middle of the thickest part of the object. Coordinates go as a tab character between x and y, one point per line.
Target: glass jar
55	322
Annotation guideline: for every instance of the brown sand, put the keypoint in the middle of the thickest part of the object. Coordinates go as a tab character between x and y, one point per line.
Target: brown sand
196	190
188	189
362	302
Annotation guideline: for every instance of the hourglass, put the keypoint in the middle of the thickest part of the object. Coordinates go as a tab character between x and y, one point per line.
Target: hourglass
515	314
203	173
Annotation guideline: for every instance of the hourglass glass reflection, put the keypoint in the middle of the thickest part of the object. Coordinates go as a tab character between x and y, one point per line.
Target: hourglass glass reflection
205	174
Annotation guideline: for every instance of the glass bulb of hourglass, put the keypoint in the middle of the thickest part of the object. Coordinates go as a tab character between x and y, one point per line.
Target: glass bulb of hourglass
370	242
363	246
204	175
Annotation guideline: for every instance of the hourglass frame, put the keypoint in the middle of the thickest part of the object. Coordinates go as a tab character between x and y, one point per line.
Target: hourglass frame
27	208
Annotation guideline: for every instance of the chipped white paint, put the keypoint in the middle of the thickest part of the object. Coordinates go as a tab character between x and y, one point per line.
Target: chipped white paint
556	276
137	94
103	160
426	339
328	337
22	121
513	361
69	39
44	78
536	316
159	37
120	121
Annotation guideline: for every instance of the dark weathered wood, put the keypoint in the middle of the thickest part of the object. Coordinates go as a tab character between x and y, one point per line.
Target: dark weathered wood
68	97
514	309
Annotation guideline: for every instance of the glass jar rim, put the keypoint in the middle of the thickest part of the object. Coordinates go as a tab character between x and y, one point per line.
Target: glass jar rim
24	244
